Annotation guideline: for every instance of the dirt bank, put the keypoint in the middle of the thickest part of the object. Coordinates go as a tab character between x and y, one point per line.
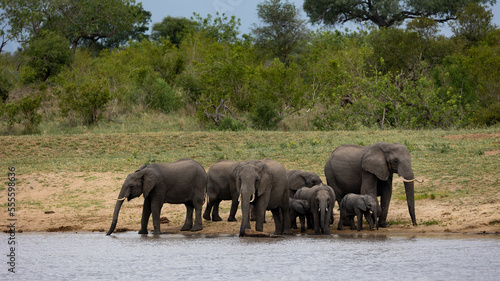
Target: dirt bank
77	202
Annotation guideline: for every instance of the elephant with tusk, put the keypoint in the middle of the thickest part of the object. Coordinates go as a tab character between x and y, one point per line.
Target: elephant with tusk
369	170
180	182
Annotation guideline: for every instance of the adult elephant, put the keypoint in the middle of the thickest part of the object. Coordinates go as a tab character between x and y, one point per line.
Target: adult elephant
264	185
369	170
180	182
298	179
321	199
221	185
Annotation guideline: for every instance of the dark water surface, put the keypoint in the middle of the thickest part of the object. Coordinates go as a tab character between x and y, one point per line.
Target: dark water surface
129	256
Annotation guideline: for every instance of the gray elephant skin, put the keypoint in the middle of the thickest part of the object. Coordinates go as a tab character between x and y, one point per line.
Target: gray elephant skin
357	205
298	179
264	185
180	182
221	185
299	208
321	199
369	170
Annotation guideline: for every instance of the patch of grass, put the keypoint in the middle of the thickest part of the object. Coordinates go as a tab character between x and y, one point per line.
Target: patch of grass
398	222
493	222
431	222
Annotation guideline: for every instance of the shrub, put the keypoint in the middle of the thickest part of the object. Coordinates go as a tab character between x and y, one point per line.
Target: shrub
265	116
24	111
84	101
231	124
161	96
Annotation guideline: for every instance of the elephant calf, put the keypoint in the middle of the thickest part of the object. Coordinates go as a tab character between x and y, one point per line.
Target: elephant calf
321	200
299	208
357	205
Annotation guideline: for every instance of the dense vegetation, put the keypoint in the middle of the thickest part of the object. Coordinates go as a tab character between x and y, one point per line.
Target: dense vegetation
281	76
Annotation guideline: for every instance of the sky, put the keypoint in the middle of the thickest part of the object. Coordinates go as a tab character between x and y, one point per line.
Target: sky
246	10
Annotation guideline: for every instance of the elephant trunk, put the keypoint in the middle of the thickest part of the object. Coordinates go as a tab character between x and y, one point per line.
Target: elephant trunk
246	197
124	194
118	205
410	199
324	225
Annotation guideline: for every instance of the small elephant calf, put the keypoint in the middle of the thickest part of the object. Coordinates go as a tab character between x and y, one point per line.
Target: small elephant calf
357	205
299	208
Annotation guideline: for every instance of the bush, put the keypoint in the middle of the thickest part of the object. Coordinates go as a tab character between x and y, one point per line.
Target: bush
231	124
161	96
24	111
84	101
265	116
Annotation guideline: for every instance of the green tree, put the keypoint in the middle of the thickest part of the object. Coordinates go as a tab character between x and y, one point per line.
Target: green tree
221	28
384	13
173	28
86	20
473	23
281	30
48	53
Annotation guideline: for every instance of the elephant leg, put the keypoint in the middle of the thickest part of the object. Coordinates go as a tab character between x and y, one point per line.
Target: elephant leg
197	218
208	209
285	217
310	221
260	215
302	219
351	221
359	216
146	212
278	221
385	201
215	212
341	224
155	212
234	208
293	218
188	223
317	229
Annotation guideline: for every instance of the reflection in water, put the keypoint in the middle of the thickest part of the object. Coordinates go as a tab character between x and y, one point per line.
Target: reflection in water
87	256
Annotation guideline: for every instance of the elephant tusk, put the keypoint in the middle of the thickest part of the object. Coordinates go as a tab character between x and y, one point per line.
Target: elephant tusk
252	198
415	179
121	199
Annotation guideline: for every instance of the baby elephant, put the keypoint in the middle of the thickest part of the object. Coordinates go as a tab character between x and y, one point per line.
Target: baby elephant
357	205
299	208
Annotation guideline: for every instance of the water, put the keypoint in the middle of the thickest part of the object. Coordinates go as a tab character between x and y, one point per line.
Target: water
127	256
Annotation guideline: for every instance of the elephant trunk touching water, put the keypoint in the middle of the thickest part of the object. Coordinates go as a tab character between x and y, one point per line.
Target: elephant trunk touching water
180	182
119	203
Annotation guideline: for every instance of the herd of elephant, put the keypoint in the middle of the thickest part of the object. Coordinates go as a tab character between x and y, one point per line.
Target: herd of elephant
356	176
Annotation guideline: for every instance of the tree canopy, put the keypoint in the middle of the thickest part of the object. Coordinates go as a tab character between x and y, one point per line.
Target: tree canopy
78	21
281	28
384	13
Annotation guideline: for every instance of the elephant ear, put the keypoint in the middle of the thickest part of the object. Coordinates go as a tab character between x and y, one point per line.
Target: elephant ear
235	174
362	204
300	182
149	178
266	178
332	194
373	161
